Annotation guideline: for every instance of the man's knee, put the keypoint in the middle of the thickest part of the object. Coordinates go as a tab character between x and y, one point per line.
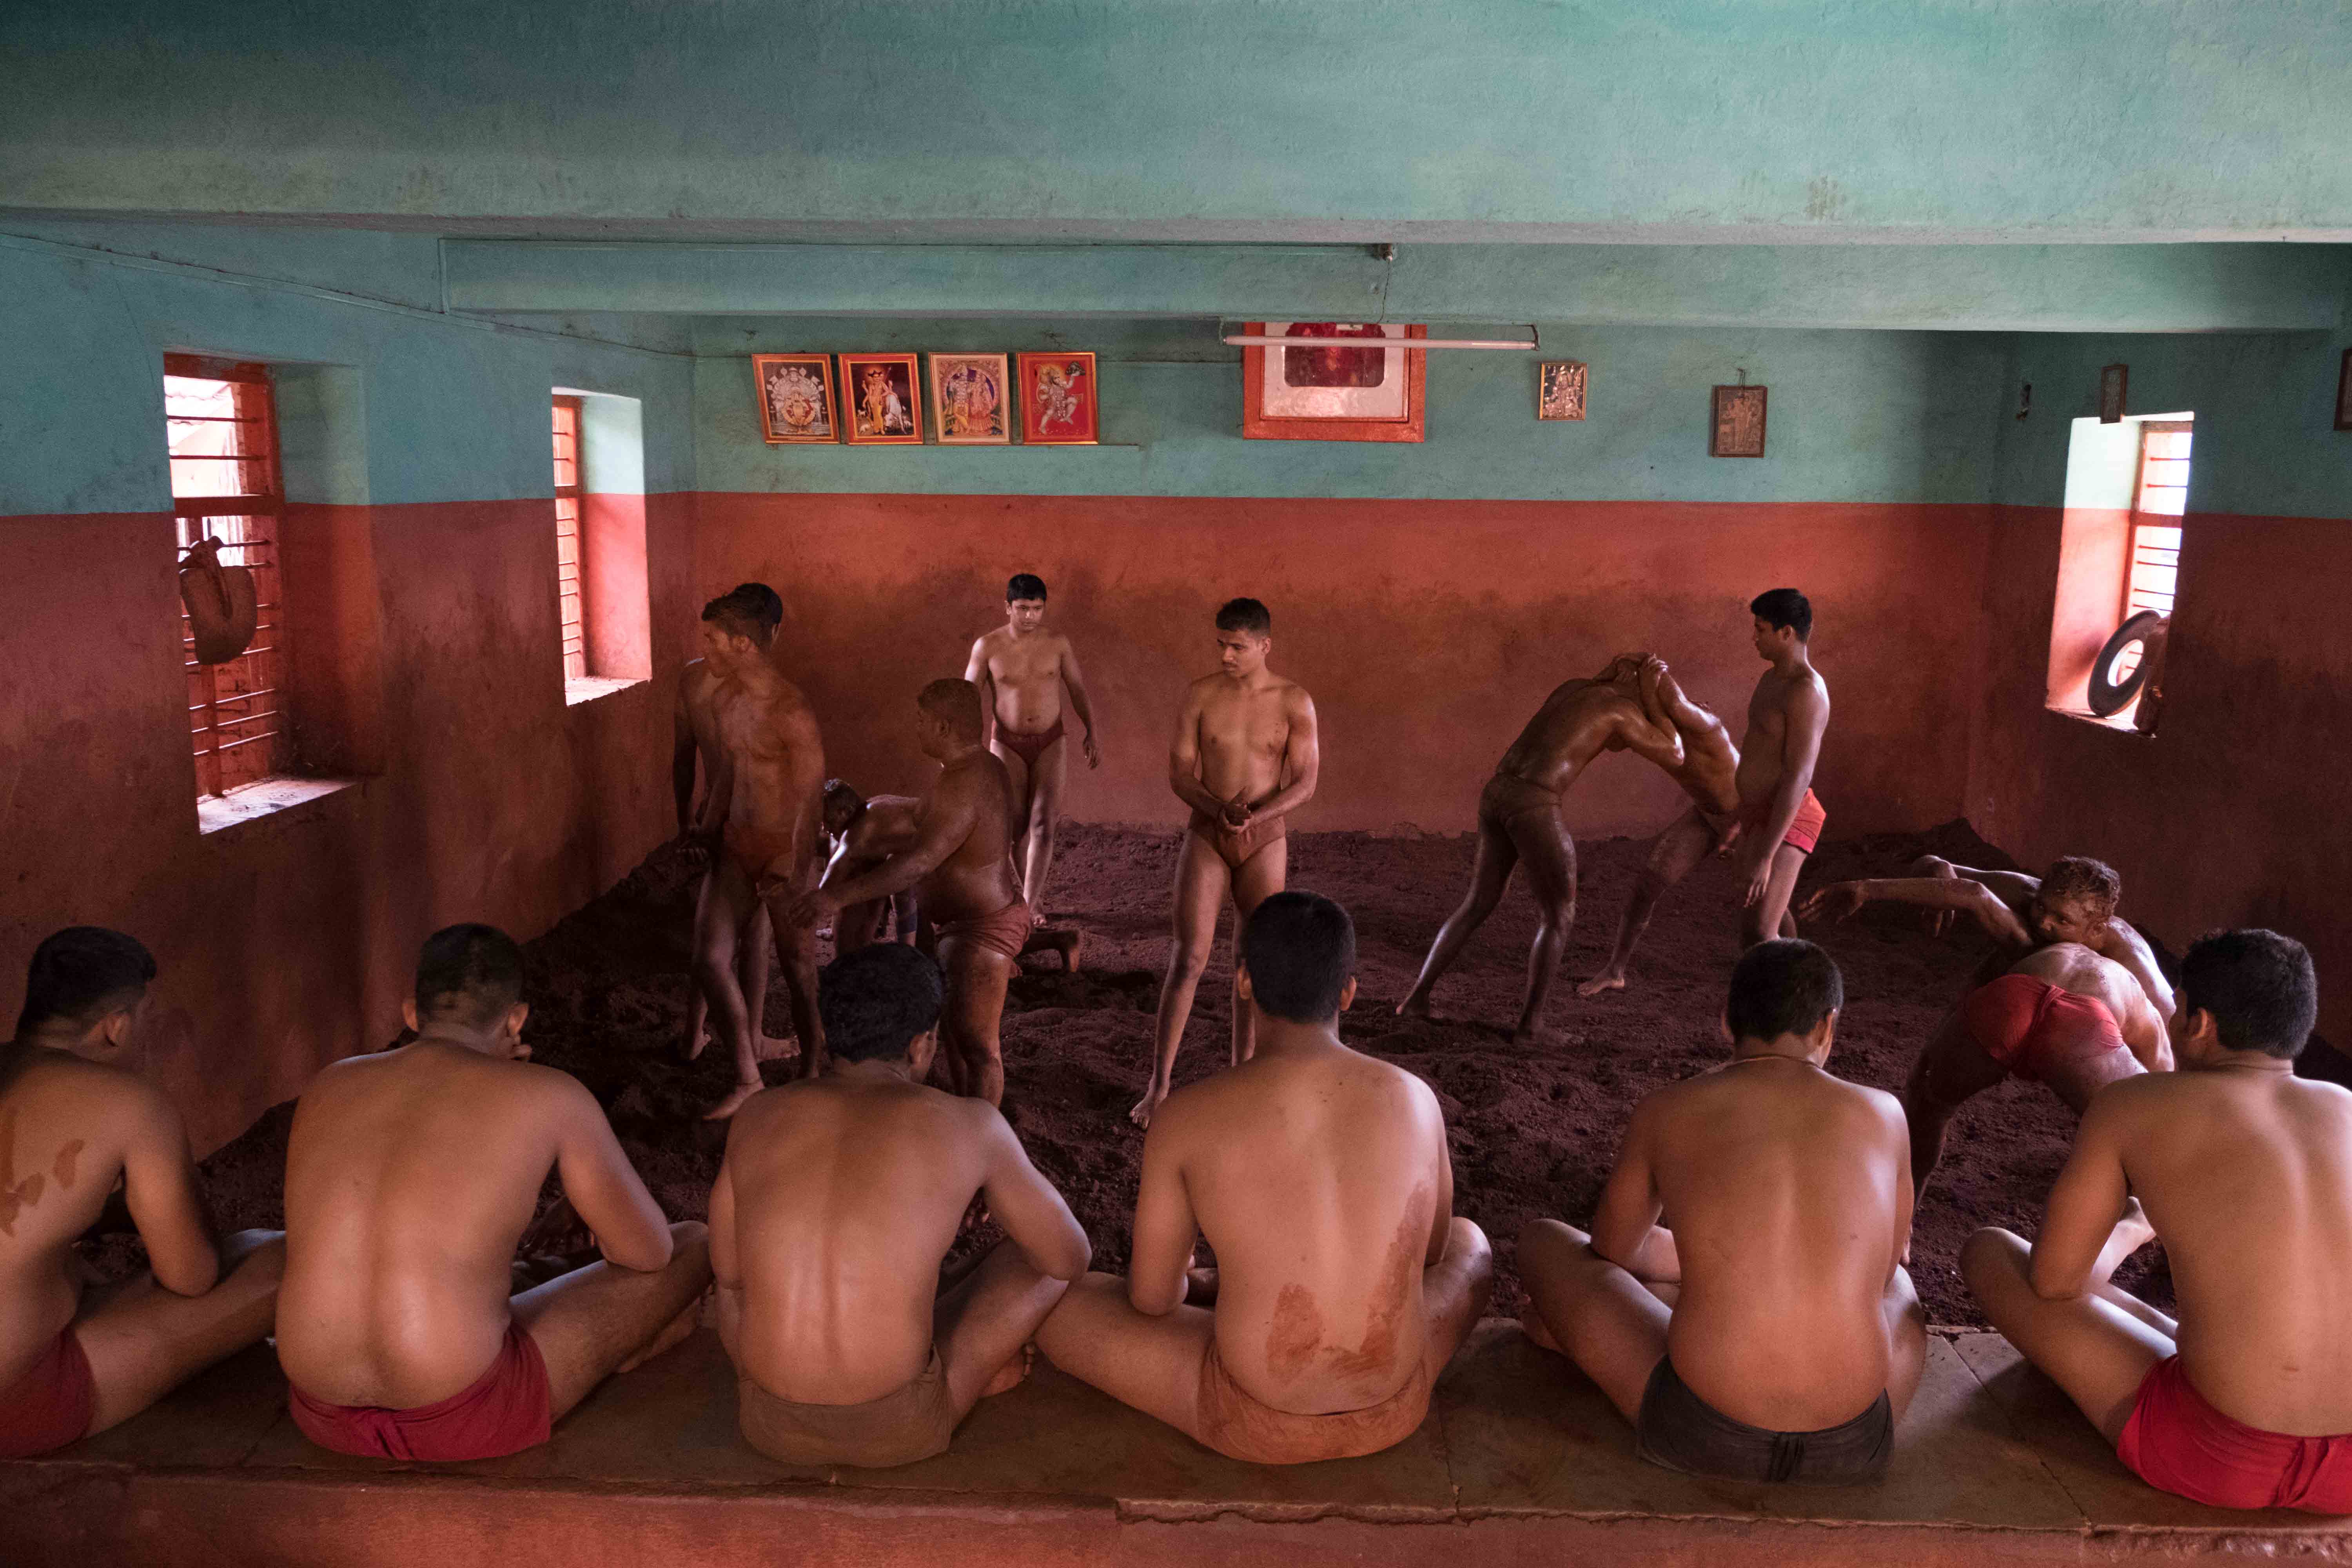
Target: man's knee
1189	959
1992	1259
1467	1242
1550	1246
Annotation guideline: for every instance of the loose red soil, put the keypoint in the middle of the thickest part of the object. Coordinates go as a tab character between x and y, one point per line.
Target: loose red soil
1533	1131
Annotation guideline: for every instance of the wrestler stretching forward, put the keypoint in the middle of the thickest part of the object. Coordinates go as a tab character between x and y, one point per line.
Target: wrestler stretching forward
694	730
2245	1400
1020	668
766	812
1519	822
2071	996
1245	756
866	832
962	868
1780	819
1344	1280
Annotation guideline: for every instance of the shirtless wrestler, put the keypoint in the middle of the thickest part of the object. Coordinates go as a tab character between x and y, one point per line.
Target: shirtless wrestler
961	869
1244	757
865	832
2071	996
695	739
409	1178
1519	821
1780	819
838	1199
2245	1399
1709	775
766	813
1772	1334
1021	669
74	1125
1344	1282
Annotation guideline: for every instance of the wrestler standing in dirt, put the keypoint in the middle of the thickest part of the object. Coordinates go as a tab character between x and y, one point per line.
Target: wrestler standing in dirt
1780	819
1020	668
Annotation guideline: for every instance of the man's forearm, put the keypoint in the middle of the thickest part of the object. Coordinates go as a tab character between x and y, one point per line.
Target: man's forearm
681	783
1194	793
1290	797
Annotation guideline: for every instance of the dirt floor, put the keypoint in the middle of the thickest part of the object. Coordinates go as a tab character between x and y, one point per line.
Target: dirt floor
1533	1131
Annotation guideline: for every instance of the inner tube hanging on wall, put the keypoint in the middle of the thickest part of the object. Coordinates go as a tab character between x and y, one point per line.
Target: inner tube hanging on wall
221	604
2127	661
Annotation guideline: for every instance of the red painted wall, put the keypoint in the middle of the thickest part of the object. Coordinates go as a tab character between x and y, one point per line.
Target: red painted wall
1427	631
289	942
2231	814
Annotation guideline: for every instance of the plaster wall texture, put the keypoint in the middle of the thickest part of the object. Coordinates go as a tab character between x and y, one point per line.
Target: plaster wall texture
1184	119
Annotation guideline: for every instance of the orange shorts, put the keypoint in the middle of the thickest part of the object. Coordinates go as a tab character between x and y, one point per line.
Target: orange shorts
1806	831
2045	1034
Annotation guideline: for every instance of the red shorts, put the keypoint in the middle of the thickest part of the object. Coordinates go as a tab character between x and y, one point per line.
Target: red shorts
505	1412
2178	1443
52	1404
1029	748
1806	831
1006	932
2045	1034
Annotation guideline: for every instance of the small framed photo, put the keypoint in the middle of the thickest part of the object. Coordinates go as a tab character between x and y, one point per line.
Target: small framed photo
1737	430
1560	393
886	407
2111	381
1060	400
2343	393
1346	381
797	398
969	400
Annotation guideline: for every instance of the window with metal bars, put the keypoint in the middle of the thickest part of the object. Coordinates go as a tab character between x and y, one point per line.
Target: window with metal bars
221	432
2159	496
569	543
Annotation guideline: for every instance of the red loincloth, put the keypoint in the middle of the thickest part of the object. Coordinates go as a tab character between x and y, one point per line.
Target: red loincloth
2178	1443
504	1412
52	1404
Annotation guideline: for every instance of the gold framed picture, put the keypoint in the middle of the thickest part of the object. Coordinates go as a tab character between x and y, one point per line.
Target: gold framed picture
1737	429
970	401
1061	400
1559	393
797	398
886	405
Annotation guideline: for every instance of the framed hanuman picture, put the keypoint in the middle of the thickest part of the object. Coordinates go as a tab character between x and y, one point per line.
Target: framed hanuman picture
1737	429
971	401
1560	394
797	398
885	402
1347	381
1061	403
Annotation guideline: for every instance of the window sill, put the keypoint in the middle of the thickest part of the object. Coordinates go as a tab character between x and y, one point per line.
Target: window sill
255	801
2121	723
589	688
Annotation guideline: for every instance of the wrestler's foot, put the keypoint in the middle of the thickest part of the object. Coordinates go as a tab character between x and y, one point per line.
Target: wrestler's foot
736	1099
1036	917
1414	1007
1011	1375
1141	1114
767	1048
1069	944
673	1333
1532	1322
2131	1233
695	1044
1607	980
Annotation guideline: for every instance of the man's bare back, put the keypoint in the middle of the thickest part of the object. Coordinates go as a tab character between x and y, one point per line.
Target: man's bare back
865	833
1581	719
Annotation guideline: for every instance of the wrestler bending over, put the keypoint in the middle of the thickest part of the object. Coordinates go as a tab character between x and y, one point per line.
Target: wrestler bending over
866	832
694	730
1773	1335
1344	1284
1021	669
1519	823
961	869
73	1123
766	812
2244	1400
1244	757
409	1178
1709	775
1780	819
2070	995
839	1200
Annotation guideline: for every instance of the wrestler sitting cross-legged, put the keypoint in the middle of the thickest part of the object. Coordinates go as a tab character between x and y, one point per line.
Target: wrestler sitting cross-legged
1519	822
865	832
1022	670
838	1199
73	1123
961	871
1344	1283
1772	1334
1245	756
2245	1399
409	1178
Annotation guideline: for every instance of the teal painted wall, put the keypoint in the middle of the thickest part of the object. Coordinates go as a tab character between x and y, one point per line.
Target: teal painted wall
1203	118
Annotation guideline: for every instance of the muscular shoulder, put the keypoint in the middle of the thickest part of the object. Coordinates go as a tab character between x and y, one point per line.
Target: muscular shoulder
1294	698
989	644
56	1084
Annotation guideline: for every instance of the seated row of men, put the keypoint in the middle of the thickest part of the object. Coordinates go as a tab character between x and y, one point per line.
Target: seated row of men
1771	1334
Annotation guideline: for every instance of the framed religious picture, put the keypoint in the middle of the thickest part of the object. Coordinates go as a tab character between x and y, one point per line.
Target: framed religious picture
2343	393
2111	381
1346	381
1737	430
971	401
797	398
1061	404
884	406
1559	394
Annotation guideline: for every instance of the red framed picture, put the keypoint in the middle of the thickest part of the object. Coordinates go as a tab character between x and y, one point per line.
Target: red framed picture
1061	404
1333	387
797	398
885	400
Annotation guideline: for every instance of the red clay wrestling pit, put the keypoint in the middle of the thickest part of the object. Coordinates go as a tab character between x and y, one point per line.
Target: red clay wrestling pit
1533	1133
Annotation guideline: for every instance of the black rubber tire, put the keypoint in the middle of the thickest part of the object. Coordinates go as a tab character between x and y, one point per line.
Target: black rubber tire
2146	629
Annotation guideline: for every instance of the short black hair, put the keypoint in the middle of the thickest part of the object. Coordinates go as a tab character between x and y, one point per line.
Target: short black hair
772	603
1300	951
2259	987
2080	877
875	1000
1783	987
82	974
955	702
1025	586
1785	607
1245	615
841	793
472	970
744	611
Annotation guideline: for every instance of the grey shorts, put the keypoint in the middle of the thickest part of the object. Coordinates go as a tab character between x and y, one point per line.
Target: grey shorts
1683	1432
